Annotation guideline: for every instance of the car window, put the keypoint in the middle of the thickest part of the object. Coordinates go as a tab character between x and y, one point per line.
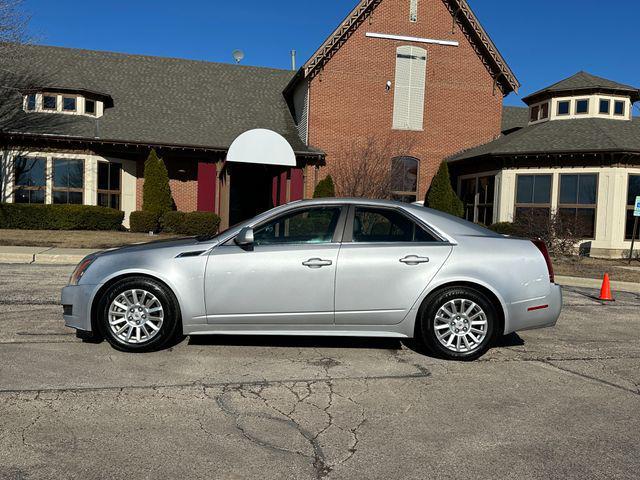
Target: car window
313	225
385	225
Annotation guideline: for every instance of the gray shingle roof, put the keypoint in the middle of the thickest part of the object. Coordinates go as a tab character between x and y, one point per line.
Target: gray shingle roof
162	101
588	135
514	118
583	81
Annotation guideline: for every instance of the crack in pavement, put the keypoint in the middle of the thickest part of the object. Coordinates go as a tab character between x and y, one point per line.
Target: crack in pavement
586	377
252	406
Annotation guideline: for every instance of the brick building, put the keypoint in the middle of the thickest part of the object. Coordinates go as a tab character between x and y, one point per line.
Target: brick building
421	74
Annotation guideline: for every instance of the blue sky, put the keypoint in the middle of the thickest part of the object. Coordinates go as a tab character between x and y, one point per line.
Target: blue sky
542	40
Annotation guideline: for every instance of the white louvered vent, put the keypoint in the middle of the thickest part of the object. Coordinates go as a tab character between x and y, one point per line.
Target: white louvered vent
413	10
411	70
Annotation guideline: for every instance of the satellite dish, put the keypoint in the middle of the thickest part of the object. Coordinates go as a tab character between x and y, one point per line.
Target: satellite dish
238	55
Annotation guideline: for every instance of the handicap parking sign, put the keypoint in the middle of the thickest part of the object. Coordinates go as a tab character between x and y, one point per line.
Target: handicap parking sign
636	212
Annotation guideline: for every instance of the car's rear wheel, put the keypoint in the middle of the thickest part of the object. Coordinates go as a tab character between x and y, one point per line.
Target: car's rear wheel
459	323
138	314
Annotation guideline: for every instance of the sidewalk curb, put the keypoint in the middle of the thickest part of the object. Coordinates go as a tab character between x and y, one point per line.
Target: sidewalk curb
43	255
596	283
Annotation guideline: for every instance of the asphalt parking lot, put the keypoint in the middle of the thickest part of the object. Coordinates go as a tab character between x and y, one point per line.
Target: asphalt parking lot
554	403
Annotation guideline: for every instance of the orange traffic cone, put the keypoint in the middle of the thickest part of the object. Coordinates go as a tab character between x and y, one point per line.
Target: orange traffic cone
605	291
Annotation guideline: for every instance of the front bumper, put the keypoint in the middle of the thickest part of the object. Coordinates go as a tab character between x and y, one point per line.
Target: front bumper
76	301
529	315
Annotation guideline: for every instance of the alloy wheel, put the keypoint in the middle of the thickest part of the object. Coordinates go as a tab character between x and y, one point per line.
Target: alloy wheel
135	316
460	325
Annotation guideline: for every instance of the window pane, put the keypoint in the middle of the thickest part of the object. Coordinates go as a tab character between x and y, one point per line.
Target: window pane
69	104
30	172
381	225
534	113
485	189
21	196
544	110
542	189
36	196
579	221
633	190
569	189
89	106
629	226
114	176
604	106
619	108
76	173
587	187
103	176
60	173
525	189
315	225
50	102
582	106
114	201
31	101
404	174
404	198
563	108
60	196
75	198
103	199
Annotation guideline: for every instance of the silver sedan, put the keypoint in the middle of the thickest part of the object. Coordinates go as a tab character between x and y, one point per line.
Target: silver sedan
343	267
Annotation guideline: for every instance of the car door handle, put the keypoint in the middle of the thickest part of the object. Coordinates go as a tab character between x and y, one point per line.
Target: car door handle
414	260
317	263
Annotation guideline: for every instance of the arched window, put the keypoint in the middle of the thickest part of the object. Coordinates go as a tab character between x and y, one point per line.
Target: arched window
404	179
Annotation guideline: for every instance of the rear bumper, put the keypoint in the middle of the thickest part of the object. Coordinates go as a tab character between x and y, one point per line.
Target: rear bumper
76	302
539	312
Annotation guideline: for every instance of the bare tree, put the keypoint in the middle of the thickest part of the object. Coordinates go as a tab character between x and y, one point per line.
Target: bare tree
20	74
363	168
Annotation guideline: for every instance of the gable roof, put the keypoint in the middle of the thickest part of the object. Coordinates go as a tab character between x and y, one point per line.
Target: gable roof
159	101
462	14
583	82
588	135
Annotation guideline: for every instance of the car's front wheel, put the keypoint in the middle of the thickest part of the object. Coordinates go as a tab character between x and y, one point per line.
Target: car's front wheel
459	323
138	314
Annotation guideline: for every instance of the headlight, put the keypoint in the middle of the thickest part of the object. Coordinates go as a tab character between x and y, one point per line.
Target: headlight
81	268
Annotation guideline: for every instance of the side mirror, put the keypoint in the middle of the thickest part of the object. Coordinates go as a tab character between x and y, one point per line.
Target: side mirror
244	237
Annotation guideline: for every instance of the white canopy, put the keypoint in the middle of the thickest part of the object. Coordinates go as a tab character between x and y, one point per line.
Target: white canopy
261	146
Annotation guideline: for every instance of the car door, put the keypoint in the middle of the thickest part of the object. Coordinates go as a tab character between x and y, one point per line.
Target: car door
386	261
286	277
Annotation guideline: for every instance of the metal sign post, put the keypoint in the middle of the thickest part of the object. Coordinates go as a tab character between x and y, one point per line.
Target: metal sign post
636	215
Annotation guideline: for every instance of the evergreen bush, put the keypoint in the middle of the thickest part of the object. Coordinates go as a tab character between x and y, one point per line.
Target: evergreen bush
59	217
142	221
156	193
441	195
325	188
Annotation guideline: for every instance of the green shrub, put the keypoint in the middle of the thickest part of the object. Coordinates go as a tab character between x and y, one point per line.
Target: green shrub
59	217
199	223
156	193
171	221
506	228
141	221
325	188
441	196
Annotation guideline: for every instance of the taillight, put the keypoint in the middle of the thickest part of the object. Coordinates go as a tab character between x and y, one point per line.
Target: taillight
545	253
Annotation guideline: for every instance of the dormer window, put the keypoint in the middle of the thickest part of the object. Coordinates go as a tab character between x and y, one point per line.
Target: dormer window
89	107
69	104
582	106
31	102
49	102
619	108
563	107
544	111
605	106
534	113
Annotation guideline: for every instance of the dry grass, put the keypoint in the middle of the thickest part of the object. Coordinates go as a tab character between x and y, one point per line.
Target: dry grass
75	238
587	267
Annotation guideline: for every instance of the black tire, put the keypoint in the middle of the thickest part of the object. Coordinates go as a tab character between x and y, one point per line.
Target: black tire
441	298
171	324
